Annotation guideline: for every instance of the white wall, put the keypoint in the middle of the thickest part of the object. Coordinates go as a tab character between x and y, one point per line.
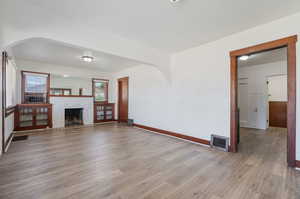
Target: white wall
9	126
256	109
197	100
73	83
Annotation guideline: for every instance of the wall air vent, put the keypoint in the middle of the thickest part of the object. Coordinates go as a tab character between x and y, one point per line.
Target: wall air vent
219	142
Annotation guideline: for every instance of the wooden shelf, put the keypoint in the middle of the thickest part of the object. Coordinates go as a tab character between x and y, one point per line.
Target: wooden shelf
70	95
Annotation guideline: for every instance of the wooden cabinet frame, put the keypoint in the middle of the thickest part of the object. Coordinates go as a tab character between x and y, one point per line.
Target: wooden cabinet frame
34	114
105	119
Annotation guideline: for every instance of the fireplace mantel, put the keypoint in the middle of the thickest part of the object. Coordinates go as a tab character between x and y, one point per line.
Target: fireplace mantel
71	96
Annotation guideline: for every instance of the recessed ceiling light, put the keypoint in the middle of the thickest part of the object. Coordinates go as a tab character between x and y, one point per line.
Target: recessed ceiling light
87	57
244	57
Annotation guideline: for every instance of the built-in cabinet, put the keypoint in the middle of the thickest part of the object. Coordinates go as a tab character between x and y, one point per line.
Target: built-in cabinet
33	116
104	112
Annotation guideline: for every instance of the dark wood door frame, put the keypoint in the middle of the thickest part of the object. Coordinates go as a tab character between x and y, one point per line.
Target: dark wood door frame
290	43
120	81
4	61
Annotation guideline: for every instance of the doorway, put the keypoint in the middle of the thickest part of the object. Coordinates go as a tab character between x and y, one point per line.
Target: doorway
123	88
290	43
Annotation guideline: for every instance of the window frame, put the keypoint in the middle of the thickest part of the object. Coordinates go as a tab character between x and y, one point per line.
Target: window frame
105	92
23	84
8	110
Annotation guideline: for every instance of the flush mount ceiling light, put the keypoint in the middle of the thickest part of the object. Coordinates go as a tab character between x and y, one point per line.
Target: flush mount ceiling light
174	1
244	57
87	57
66	75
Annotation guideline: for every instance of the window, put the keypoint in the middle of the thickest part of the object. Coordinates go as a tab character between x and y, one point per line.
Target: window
9	84
100	90
35	87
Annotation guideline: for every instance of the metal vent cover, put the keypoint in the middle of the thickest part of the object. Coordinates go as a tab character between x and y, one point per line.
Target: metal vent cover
219	142
130	122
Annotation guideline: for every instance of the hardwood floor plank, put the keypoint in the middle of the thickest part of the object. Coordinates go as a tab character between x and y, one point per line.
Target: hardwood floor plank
115	161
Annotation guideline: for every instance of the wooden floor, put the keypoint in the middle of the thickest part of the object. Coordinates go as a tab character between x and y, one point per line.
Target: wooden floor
119	162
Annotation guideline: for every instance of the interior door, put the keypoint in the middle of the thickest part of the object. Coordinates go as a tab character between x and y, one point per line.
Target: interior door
243	101
277	97
123	99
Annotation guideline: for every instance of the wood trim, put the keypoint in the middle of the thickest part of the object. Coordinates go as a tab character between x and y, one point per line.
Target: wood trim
34	105
265	46
23	77
298	163
10	110
177	135
233	105
70	96
23	80
9	140
50	121
291	107
290	43
42	73
4	57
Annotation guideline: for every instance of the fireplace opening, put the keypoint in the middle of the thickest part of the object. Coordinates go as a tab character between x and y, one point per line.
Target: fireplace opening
73	117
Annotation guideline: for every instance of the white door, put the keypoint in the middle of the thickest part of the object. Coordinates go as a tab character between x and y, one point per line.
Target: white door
252	106
277	88
256	111
243	101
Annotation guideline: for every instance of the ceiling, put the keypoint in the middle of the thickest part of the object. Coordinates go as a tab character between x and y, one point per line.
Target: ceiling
53	52
156	23
265	58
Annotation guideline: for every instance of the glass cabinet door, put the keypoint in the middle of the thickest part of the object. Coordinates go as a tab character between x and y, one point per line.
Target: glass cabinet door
26	117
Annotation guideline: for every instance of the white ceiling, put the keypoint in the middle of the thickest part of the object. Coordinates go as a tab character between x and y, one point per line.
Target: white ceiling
157	23
265	58
53	52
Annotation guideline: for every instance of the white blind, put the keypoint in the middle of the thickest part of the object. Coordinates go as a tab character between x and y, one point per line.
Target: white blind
11	75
